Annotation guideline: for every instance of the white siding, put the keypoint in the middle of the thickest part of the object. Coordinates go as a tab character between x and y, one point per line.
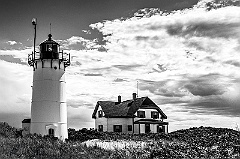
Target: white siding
48	99
153	128
119	121
100	121
108	123
136	128
147	113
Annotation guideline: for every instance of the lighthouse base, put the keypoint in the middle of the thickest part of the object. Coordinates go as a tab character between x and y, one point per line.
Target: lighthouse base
58	130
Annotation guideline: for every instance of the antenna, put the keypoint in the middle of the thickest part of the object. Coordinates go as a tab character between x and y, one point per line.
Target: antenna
137	88
50	28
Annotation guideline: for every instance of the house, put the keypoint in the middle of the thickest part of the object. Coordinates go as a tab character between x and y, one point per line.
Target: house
137	115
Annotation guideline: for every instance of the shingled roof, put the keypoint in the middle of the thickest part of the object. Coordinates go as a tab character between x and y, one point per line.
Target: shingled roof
126	108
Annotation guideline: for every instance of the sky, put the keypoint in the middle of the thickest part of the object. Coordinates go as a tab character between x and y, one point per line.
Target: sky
182	54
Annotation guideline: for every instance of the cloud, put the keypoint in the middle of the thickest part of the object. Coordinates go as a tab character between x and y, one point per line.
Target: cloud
92	74
127	67
119	80
10	58
11	42
15	80
11	45
79	43
187	56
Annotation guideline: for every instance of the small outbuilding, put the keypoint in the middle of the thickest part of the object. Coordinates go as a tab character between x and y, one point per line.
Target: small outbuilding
26	124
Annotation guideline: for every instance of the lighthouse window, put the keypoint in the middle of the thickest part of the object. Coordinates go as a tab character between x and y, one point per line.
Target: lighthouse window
49	48
51	132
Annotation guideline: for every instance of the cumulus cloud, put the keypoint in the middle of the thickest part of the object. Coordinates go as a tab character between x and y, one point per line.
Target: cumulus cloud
79	43
189	55
11	45
15	82
11	42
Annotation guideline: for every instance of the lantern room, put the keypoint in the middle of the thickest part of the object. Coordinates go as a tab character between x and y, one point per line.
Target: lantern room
49	49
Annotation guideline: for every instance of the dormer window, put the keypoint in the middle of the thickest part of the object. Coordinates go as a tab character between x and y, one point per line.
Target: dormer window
154	115
141	114
100	113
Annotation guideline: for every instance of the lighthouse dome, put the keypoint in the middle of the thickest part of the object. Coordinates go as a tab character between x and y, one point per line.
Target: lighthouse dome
49	49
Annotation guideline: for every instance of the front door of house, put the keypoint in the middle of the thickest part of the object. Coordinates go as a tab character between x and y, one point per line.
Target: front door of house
147	128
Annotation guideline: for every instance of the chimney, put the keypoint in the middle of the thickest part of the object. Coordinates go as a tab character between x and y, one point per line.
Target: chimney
134	95
119	99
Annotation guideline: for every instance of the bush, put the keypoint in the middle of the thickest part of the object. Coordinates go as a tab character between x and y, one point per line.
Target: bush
202	142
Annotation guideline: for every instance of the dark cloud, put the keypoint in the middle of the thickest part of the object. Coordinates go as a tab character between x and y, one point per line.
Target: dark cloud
12	59
161	88
93	74
216	106
205	85
234	63
204	89
175	101
140	38
204	29
119	80
127	67
76	63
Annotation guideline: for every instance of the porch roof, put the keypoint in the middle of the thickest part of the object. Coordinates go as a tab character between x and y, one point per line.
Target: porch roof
150	121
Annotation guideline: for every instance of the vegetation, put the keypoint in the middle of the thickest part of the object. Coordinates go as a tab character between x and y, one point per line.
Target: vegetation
202	142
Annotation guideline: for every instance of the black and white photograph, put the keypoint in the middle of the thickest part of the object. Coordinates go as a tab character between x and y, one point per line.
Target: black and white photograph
124	79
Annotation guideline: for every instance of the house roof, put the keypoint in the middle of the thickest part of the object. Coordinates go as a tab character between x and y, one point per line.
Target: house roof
49	41
26	121
126	108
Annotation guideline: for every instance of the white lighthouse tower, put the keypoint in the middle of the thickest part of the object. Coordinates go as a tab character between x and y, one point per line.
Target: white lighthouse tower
49	108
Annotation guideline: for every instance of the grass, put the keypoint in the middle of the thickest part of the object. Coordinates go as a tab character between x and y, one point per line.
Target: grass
201	142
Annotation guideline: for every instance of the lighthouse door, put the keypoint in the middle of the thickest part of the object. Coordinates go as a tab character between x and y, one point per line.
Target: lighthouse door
51	132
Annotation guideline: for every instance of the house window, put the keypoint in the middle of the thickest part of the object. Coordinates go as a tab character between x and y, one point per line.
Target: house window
160	129
100	113
100	128
129	127
141	114
154	114
51	132
117	128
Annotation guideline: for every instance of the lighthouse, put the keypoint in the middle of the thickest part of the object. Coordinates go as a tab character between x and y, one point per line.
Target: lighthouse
49	107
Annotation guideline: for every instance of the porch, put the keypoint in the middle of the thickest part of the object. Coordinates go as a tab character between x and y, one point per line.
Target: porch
150	126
